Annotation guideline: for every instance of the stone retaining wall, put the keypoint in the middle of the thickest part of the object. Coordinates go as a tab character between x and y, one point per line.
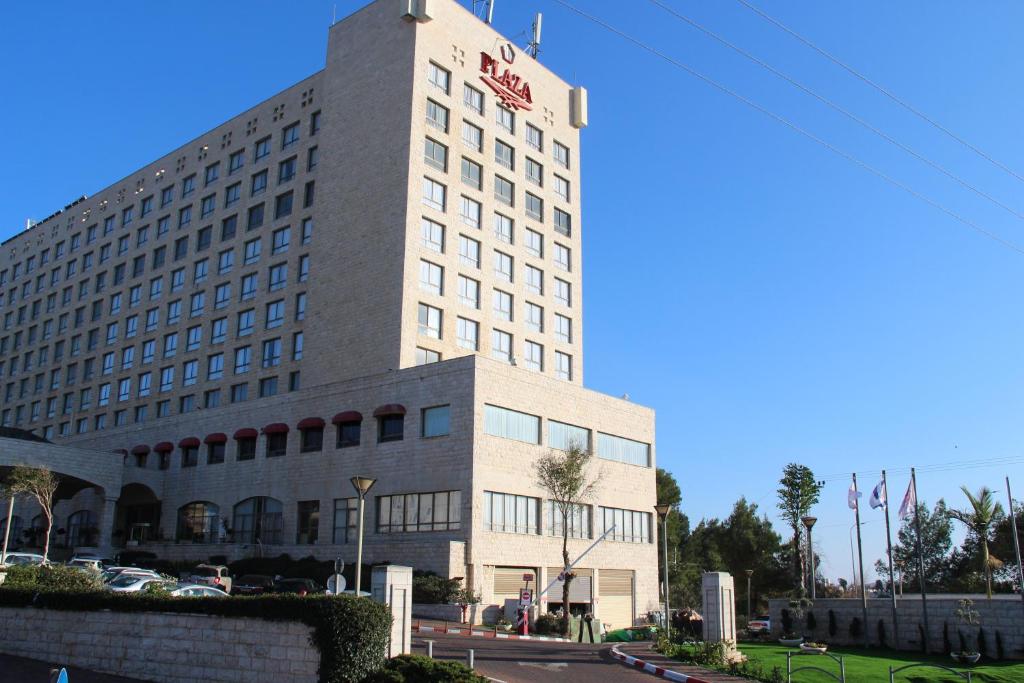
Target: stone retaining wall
161	647
1002	614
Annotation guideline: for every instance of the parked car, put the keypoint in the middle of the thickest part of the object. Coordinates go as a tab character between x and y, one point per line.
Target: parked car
86	563
760	624
252	584
24	558
105	561
194	590
298	586
111	573
133	583
216	575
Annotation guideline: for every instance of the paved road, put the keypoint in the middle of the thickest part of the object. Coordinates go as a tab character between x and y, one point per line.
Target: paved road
528	661
22	670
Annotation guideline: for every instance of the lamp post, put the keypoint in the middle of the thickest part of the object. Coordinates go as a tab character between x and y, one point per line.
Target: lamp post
663	510
362	486
750	613
809	522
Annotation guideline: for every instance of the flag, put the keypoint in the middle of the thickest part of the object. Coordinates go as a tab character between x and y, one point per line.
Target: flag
852	496
878	496
909	502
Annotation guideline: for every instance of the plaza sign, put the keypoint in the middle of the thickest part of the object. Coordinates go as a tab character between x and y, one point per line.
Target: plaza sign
511	89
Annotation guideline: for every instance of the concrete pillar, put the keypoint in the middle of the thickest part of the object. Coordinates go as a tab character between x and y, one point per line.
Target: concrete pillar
105	523
719	601
392	585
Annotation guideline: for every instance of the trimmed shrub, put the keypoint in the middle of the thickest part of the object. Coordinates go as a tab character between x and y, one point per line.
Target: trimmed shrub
963	641
350	633
811	621
547	624
833	627
856	629
54	577
430	589
1000	653
418	669
787	621
982	642
881	633
947	645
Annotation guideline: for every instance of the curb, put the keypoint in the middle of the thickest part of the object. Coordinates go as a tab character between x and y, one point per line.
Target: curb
484	634
667	674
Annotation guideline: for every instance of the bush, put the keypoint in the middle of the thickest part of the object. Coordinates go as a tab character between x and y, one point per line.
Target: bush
856	629
430	589
1000	653
811	621
350	633
51	577
548	624
881	633
982	642
417	669
947	646
963	641
833	627
787	621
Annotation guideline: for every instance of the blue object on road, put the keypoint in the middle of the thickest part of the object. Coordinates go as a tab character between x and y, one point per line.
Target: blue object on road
63	677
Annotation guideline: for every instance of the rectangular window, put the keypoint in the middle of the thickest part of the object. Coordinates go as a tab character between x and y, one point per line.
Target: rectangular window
348	433
503	266
534	280
208	205
468	334
563	259
439	78
563	223
430	321
437	116
511	424
563	328
246	322
469	292
501	346
534	317
504	155
434	194
275	314
435	154
534	137
534	243
290	135
534	172
469	252
561	154
286	170
255	217
510	514
346	519
312	439
504	190
249	285
441	511
262	148
436	421
278	277
502	305
563	292
534	207
236	161
503	228
271	353
533	355
426	356
505	119
472	136
562	188
469	212
431	277
563	366
283	205
243	358
473	98
472	174
308	522
620	449
630	526
576	519
432	234
215	366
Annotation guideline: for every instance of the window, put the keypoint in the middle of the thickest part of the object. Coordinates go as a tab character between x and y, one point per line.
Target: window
218	330
198	522
432	234
501	346
307	230
503	266
184	217
278	277
252	251
436	421
534	243
503	228
259	519
577	519
534	317
624	450
275	314
240	393
249	286
435	154
297	341
535	137
505	119
563	366
502	305
312	439
208	205
283	205
198	303
280	240
290	135
438	77
534	206
561	154
167	378
246	322
426	356
504	155
222	295
472	174
511	424
473	98
431	277
630	526
563	292
228	227
285	170
563	328
467	333
277	444
563	223
469	212
469	251
236	161
534	172
472	136
262	148
348	433
190	373
534	280
300	306
562	188
314	123
390	428
259	183
510	514
312	158
504	190
469	292
214	453
562	257
346	519
434	194
246	445
429	321
437	116
441	511
215	366
271	353
243	358
308	522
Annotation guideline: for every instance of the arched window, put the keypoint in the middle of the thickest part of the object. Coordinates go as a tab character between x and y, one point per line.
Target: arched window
15	535
37	531
199	522
82	529
259	519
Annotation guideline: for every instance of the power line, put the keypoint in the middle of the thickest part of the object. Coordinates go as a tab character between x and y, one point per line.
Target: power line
845	112
789	124
952	466
913	110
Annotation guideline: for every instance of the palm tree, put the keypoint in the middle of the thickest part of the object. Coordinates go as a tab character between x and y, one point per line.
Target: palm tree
979	519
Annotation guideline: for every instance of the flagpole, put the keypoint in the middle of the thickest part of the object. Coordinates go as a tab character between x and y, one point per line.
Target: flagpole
892	579
920	559
860	558
1016	542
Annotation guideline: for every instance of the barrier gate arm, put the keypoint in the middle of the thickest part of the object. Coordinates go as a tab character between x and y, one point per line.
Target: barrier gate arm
572	564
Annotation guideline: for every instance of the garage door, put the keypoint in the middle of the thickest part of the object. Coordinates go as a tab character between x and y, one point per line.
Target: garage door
580	588
508	581
615	592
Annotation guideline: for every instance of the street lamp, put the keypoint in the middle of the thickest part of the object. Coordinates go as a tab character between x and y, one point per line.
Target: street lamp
809	522
750	614
663	510
362	486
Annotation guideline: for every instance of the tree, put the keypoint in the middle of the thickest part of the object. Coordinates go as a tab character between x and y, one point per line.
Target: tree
566	477
936	534
798	492
668	493
980	519
39	483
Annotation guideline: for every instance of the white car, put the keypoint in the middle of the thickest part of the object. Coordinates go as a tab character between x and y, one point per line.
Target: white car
194	590
24	558
86	563
111	573
133	583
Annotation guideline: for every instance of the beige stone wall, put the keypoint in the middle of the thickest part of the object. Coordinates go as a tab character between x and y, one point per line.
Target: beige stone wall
150	646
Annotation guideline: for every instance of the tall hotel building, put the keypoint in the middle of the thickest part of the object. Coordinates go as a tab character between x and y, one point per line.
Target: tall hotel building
375	272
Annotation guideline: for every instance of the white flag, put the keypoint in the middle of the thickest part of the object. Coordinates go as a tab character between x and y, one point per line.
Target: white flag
909	502
878	497
852	496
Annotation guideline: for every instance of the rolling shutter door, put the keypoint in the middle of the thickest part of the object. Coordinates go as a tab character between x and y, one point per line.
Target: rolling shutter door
615	589
580	588
508	581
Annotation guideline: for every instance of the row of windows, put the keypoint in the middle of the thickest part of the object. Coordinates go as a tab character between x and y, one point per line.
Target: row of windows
516	514
435	196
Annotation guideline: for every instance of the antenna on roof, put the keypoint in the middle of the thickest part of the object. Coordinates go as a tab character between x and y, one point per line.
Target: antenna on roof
334	15
533	49
490	11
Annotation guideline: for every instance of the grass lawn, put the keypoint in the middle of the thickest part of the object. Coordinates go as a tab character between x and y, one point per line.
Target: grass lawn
873	665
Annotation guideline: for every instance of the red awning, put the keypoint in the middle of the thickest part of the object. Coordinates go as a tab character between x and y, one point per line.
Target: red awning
189	442
141	449
216	437
311	423
164	447
347	416
246	433
276	428
389	409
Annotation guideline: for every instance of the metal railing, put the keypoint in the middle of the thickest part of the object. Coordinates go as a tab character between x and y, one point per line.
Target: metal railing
962	674
841	677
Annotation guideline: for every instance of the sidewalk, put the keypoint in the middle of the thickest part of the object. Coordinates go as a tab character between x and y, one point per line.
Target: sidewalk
670	669
454	628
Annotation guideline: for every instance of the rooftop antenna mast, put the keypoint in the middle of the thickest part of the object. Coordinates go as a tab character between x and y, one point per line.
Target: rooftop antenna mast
533	49
490	12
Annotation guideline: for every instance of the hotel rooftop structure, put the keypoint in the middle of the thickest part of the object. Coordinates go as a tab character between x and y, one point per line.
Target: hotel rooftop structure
375	272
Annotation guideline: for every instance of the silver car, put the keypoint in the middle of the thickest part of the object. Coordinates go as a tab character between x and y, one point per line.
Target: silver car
194	590
133	583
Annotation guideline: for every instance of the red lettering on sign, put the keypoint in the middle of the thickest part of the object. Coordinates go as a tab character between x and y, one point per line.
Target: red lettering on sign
510	88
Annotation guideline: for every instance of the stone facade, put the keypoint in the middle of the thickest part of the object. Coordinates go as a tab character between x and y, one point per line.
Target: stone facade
1003	614
149	646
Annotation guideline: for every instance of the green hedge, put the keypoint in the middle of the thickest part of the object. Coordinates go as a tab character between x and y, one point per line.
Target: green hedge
351	633
417	669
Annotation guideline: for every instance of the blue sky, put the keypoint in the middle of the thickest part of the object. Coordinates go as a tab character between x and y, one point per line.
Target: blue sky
773	301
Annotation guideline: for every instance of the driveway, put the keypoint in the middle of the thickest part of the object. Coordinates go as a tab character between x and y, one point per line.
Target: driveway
22	670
